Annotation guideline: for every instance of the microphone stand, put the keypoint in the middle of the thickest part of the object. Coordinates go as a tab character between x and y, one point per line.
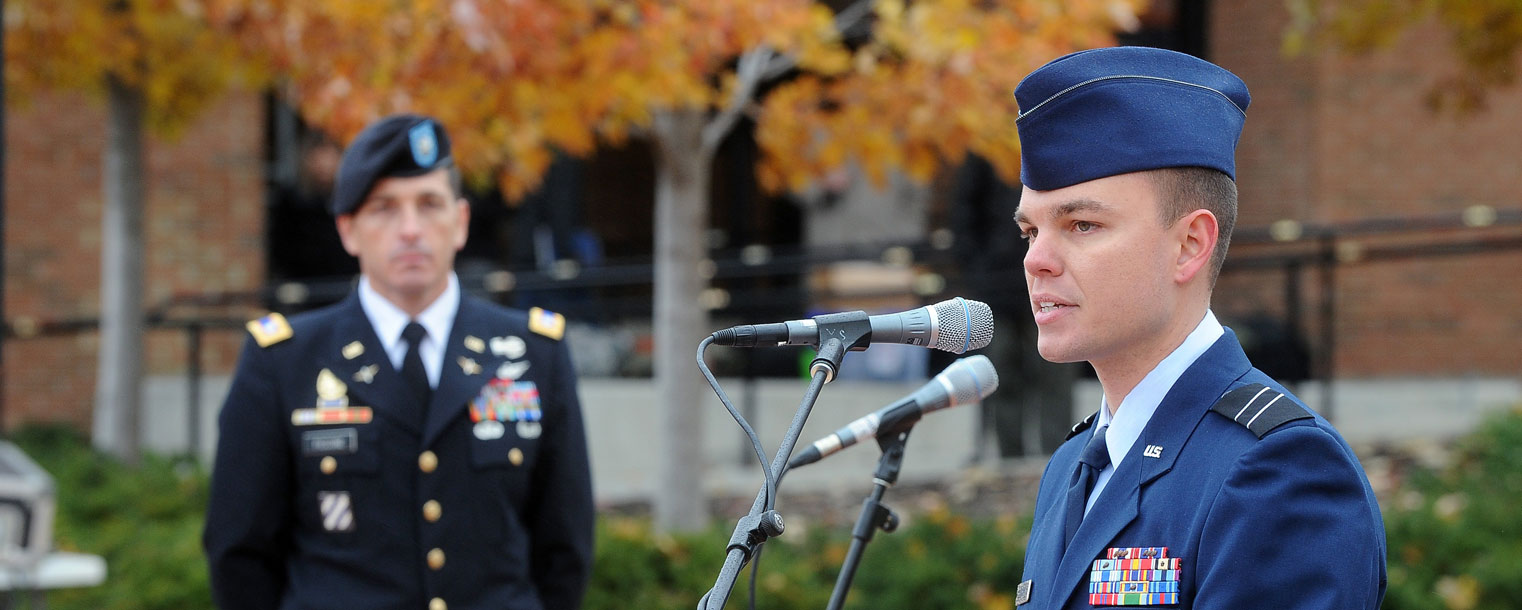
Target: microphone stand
874	515
760	524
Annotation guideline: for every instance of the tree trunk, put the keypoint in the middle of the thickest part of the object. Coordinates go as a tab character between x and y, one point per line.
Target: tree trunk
683	171
120	363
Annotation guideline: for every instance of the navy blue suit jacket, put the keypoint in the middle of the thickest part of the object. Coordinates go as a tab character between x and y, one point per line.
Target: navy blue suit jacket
434	511
1286	521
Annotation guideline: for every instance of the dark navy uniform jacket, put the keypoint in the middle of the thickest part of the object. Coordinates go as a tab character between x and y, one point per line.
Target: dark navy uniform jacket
315	504
1285	521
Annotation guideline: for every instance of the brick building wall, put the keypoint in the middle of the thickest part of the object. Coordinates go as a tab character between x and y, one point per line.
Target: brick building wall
203	226
1332	139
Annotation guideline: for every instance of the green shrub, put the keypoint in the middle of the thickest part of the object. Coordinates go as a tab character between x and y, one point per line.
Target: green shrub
938	560
145	521
1455	532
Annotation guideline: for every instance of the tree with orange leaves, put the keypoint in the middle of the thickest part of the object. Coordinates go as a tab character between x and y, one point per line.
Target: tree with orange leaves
157	63
887	84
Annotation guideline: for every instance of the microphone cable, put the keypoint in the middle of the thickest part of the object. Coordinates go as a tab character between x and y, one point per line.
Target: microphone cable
755	441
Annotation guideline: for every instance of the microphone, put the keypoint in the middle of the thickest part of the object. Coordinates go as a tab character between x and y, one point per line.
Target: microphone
967	380
954	325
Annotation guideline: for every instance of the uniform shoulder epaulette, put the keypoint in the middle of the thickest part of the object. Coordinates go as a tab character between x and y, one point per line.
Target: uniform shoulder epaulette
1259	408
269	330
547	323
1083	425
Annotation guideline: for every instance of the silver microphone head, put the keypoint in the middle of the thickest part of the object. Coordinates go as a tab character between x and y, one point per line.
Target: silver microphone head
964	325
970	379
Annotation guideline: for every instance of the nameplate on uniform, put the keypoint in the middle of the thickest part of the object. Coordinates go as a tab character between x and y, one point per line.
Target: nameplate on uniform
1134	576
328	416
330	441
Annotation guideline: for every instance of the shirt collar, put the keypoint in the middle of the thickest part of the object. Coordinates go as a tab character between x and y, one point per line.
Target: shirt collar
1136	408
388	320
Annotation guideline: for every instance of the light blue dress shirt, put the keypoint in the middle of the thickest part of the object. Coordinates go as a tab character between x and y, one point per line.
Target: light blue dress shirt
388	320
1136	408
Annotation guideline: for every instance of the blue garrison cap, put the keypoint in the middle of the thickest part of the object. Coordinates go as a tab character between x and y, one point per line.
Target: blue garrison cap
1110	111
400	145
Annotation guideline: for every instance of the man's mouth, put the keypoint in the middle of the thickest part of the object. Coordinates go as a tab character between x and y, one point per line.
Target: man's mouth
1049	306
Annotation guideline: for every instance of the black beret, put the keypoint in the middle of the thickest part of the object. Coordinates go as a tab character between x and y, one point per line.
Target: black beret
1110	111
400	145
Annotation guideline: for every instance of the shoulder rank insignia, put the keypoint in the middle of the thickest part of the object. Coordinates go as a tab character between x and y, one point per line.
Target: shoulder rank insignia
1083	425
1259	408
269	330
547	323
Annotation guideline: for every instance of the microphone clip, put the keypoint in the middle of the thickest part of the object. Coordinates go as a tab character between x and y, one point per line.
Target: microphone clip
839	333
853	329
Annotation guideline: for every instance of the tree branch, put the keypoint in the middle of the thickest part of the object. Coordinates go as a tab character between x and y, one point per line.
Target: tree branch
762	64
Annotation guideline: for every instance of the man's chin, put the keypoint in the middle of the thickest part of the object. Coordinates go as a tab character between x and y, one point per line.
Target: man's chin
1051	351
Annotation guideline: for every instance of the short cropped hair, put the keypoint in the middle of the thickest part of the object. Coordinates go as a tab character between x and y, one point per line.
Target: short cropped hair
457	183
1185	189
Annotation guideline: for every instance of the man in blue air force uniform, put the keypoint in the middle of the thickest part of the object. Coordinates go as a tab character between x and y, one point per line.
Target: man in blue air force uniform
1201	482
410	447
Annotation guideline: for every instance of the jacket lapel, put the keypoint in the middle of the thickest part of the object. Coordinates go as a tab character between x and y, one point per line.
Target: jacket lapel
1171	425
1187	403
378	386
1116	508
465	373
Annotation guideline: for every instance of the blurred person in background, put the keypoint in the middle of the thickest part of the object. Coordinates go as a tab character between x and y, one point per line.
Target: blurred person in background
410	447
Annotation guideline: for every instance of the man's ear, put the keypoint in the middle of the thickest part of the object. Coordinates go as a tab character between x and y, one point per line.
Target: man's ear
1197	234
346	234
463	231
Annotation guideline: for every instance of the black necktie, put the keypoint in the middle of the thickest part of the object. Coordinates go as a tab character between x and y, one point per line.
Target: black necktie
412	365
1094	459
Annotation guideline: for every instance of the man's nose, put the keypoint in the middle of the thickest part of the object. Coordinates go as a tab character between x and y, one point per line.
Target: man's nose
1041	257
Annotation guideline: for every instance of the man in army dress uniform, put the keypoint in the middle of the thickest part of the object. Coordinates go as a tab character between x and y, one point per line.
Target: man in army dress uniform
1200	482
410	447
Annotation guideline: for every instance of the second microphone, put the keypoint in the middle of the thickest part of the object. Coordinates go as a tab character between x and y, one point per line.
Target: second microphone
969	379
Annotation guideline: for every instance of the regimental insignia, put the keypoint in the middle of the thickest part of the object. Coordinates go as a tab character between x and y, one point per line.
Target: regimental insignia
337	513
331	393
1023	593
547	323
489	430
475	344
511	346
353	350
269	330
366	374
469	366
1134	576
512	370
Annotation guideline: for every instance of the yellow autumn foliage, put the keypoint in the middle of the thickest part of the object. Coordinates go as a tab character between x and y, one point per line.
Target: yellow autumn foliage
930	81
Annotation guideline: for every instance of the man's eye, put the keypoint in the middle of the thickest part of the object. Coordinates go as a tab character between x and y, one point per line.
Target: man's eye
1084	226
1027	234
